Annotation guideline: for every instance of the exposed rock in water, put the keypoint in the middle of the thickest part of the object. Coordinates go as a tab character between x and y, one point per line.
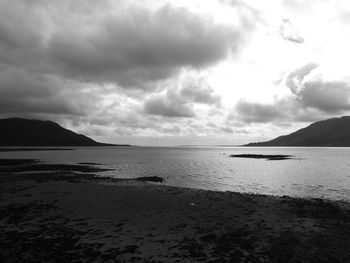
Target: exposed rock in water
15	162
263	156
37	167
155	179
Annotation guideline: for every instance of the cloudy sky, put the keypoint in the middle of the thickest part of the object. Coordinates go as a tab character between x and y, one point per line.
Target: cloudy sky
169	72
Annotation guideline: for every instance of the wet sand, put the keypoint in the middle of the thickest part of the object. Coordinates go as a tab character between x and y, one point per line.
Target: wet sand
74	217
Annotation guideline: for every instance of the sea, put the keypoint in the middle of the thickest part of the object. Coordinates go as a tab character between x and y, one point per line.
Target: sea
311	173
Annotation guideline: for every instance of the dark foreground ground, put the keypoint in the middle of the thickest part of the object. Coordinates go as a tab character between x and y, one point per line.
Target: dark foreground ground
70	216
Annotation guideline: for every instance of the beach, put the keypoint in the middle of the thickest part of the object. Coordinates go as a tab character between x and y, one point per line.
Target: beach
71	217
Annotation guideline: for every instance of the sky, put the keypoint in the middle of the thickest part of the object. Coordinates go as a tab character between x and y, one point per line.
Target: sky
175	72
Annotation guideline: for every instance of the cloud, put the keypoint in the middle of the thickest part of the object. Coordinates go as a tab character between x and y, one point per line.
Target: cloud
77	59
23	93
181	101
281	112
138	45
295	78
329	97
252	112
117	67
170	105
17	29
111	41
201	94
313	90
289	32
300	6
227	129
313	96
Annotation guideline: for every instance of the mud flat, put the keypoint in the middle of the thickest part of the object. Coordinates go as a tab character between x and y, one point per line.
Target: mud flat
68	216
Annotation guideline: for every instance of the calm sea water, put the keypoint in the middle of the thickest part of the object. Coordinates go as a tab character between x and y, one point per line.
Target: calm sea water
315	172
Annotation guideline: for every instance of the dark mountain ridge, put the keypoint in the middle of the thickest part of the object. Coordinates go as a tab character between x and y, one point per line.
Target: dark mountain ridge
333	132
24	132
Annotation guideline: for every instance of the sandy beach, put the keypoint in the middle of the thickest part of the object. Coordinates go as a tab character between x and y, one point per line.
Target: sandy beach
70	217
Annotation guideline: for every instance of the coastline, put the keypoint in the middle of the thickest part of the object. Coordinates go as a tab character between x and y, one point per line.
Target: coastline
82	219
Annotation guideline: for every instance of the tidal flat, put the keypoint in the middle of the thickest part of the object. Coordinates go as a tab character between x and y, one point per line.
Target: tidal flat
70	215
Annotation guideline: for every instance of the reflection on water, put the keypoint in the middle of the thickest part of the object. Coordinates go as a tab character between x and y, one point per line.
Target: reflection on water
315	172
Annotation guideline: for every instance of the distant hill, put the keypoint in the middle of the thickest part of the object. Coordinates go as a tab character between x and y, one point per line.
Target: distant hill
23	132
328	133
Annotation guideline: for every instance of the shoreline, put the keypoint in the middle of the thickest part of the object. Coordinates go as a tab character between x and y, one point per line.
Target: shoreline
57	219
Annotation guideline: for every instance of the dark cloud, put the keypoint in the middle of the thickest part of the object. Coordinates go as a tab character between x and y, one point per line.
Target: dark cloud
258	112
79	61
201	94
281	111
23	93
227	129
51	52
171	106
17	29
180	102
141	45
58	57
315	92
332	96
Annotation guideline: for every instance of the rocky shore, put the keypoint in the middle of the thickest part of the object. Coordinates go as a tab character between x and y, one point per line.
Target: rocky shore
70	215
